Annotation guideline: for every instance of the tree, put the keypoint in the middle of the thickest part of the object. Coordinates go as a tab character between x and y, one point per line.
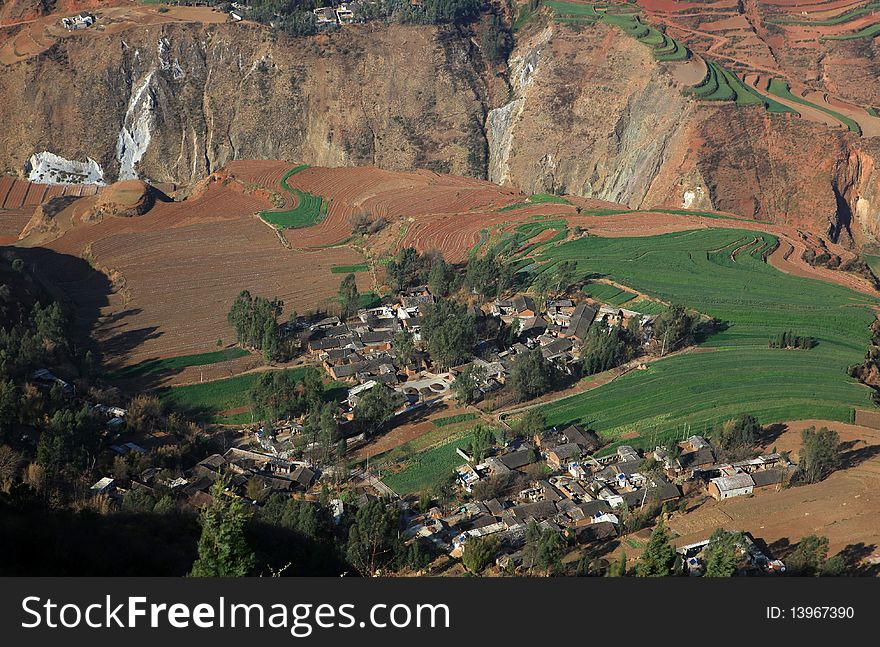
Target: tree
483	438
404	346
374	408
721	554
617	567
466	384
450	332
658	559
497	41
674	327
606	348
349	297
223	547
809	556
479	552
740	432
372	536
69	444
532	422
440	278
255	321
819	454
543	549
531	375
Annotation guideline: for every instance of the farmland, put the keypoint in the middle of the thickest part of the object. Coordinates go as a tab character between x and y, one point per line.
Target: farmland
176	363
427	469
736	372
309	210
209	400
742	61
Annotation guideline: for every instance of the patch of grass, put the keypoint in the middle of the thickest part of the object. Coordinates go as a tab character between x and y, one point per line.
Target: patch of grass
539	198
206	400
350	269
309	210
176	363
646	307
427	469
738	373
451	420
608	293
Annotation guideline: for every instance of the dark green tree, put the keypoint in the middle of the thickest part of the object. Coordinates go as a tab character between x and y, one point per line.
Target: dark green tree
374	408
531	375
658	559
466	384
819	455
722	553
479	553
349	297
450	332
223	546
372	537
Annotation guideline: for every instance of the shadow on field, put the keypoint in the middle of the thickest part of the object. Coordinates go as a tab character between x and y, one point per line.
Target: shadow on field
851	457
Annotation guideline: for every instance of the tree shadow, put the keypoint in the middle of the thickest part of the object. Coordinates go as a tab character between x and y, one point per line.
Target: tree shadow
851	457
855	556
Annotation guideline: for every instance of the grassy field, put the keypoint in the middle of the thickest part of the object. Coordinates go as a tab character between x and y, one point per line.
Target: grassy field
309	210
207	400
608	293
451	420
738	373
428	468
350	269
176	363
646	307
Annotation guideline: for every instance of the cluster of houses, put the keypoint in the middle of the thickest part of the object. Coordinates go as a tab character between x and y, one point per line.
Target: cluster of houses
587	496
257	474
752	560
360	350
82	20
341	14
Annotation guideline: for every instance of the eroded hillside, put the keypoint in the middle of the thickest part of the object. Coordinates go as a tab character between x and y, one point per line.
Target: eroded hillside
582	108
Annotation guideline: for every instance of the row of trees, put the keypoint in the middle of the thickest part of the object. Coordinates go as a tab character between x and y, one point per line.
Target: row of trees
789	340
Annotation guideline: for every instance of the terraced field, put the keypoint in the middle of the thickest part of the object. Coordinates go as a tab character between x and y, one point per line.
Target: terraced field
740	56
721	274
309	210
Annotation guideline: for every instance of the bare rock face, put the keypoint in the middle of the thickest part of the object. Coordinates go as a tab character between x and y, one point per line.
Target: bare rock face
173	103
589	112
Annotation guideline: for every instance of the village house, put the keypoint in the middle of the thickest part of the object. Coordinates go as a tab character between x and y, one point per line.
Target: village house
579	324
727	487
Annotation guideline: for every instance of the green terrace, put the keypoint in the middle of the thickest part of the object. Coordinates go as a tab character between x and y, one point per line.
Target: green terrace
309	210
732	371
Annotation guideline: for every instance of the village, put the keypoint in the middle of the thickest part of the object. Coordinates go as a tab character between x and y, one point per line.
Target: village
560	479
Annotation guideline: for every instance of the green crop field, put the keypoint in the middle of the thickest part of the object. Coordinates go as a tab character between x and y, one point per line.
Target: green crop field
738	373
206	400
176	363
865	32
538	198
607	293
309	210
646	307
350	269
836	20
427	469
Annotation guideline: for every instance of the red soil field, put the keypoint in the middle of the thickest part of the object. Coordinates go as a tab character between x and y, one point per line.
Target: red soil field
176	270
